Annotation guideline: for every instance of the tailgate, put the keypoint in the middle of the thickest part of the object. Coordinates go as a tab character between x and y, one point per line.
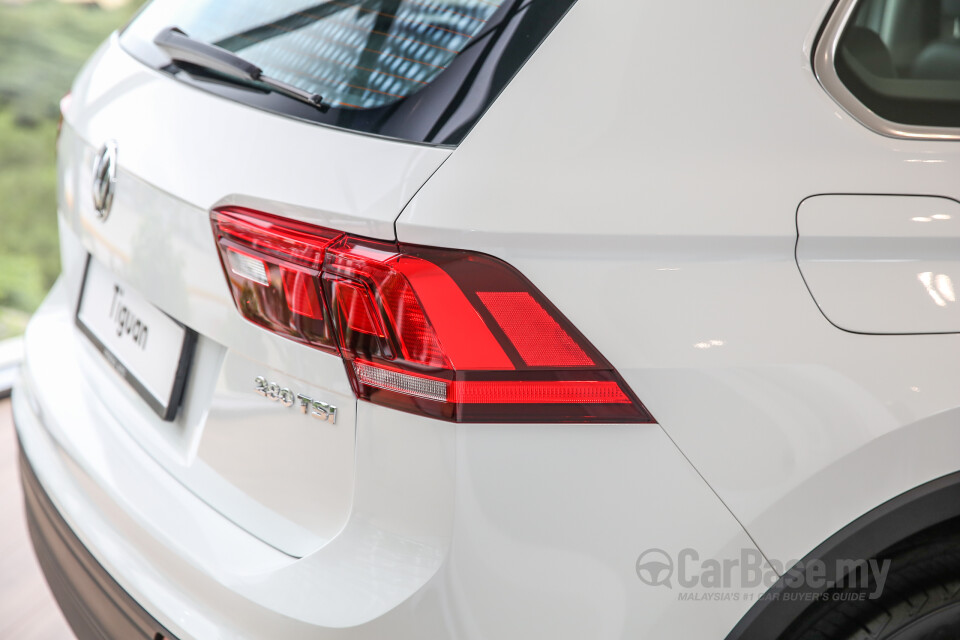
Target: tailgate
275	470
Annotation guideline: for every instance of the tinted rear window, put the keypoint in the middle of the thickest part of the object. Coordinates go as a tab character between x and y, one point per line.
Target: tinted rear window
420	70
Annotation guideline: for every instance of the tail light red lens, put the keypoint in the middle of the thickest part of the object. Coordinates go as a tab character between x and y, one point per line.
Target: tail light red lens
449	334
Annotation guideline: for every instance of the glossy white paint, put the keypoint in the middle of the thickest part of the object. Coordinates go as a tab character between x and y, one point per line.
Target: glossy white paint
660	215
392	544
280	474
164	248
661	219
882	264
443	540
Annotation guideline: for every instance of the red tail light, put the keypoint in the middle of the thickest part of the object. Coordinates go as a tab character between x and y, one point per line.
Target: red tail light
450	334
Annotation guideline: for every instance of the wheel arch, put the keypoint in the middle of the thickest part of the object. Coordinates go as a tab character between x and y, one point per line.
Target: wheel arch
914	512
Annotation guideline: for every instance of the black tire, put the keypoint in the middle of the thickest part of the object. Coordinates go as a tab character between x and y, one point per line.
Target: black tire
920	599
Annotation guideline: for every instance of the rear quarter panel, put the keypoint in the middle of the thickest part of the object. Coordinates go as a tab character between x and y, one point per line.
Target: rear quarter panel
648	183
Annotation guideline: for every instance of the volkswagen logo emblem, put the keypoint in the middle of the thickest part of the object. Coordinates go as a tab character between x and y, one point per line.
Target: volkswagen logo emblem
104	179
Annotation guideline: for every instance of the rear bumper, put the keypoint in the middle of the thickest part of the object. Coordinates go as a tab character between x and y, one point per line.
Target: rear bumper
94	604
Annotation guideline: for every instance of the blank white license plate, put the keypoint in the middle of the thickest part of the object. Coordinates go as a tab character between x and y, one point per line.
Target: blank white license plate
146	347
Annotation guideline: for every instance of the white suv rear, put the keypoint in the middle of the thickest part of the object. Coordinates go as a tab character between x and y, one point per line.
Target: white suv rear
532	319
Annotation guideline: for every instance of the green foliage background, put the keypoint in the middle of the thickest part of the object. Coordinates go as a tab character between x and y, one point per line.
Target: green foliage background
43	44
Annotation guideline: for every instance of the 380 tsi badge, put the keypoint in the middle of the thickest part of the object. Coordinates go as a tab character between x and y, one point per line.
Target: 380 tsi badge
286	397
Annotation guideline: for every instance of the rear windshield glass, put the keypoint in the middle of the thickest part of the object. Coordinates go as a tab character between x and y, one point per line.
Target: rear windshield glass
377	63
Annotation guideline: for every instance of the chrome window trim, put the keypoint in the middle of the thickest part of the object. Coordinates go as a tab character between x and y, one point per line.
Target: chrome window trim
823	66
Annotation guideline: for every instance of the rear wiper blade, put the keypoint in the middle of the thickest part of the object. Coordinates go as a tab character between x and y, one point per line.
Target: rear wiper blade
183	49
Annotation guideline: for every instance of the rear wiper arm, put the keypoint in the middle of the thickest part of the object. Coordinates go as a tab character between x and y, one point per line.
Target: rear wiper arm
183	49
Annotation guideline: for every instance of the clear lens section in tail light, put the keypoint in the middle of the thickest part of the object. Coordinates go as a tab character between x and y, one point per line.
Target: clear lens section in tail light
449	334
273	266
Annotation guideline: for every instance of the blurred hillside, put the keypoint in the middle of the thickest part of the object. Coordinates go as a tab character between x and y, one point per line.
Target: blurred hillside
43	44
